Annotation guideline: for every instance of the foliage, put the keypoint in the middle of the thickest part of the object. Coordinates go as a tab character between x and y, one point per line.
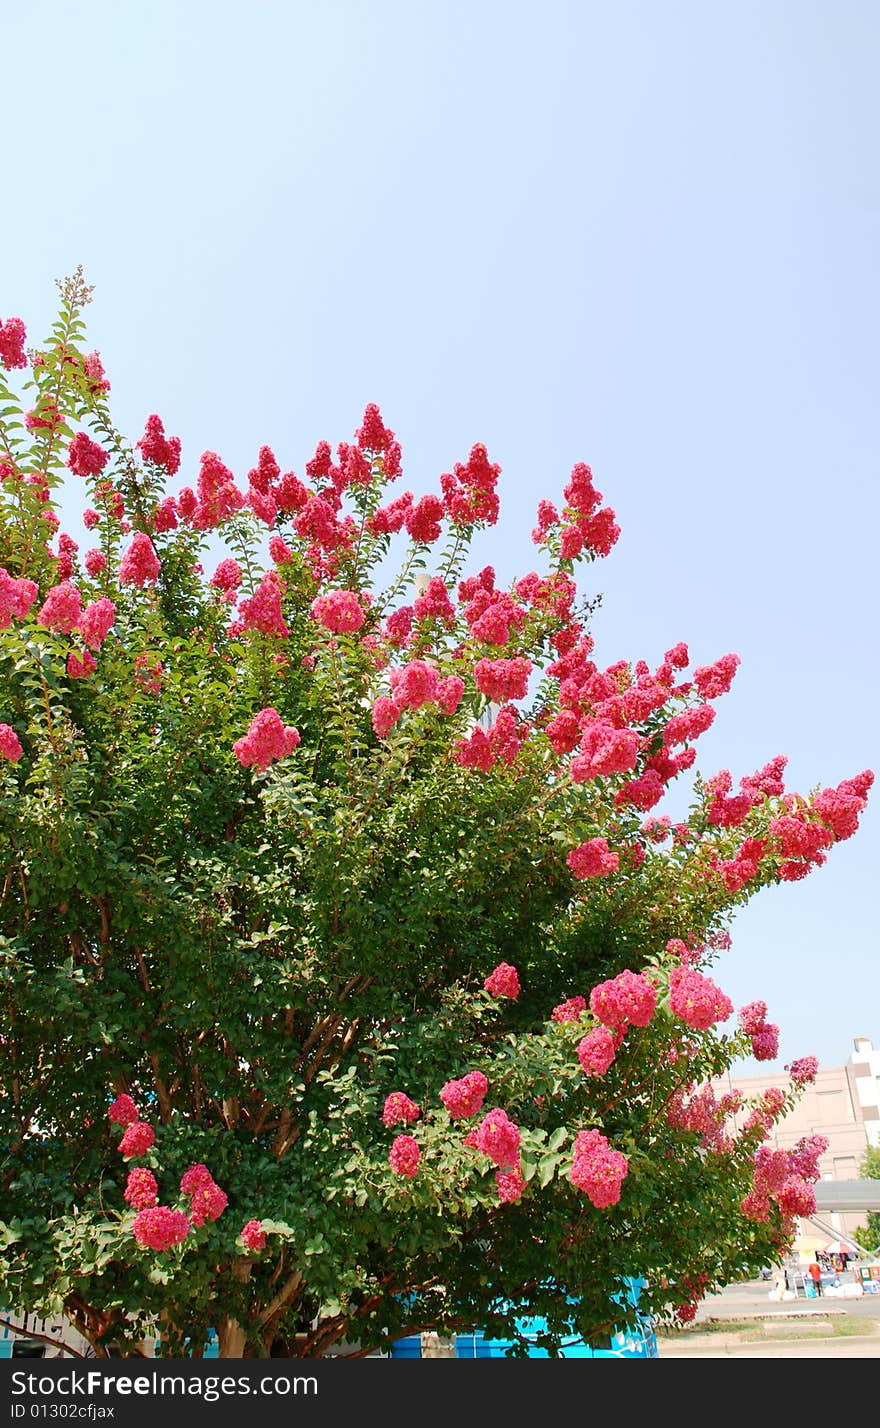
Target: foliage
282	841
868	1235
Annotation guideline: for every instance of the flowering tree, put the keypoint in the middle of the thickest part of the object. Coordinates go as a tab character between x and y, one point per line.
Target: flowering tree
351	984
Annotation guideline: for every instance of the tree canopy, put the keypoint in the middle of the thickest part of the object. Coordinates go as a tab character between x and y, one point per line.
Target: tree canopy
351	984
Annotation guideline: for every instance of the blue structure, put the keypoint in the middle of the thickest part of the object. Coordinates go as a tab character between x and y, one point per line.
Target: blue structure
637	1342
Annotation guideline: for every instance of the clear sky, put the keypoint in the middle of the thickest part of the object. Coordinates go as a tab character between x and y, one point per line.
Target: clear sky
643	235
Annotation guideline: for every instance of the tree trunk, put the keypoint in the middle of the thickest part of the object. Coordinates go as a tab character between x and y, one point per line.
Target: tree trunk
232	1338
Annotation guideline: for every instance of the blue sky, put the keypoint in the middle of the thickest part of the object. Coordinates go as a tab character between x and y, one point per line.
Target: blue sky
641	235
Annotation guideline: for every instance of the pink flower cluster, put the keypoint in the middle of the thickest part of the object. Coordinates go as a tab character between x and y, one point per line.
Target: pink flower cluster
593	859
696	999
503	981
463	1098
630	998
503	679
61	608
339	611
763	1035
804	1071
262	610
701	1111
596	1051
267	738
123	1111
207	1200
10	744
254	1236
570	1010
12	339
399	1107
713	680
160	1228
510	1185
469	490
85	457
141	1191
491	614
404	1156
96	622
156	447
604	750
498	1137
585	527
16	597
785	1176
434	602
597	1169
227	577
139	565
137	1139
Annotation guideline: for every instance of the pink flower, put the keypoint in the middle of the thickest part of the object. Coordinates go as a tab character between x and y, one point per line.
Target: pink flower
596	1051
155	447
499	1138
510	1185
399	1107
165	515
80	667
10	745
254	1236
713	680
373	434
449	693
571	1010
61	608
160	1228
605	750
465	1097
85	457
207	1203
95	562
413	685
593	859
404	1156
137	1139
198	1177
227	576
340	611
597	1169
123	1111
627	998
12	338
140	564
469	490
262	610
696	999
804	1071
423	519
141	1190
503	679
796	1198
503	981
765	1042
434	603
266	739
385	716
16	598
752	1016
96	621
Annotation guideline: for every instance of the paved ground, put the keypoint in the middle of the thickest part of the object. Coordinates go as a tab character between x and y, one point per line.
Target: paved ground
780	1321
